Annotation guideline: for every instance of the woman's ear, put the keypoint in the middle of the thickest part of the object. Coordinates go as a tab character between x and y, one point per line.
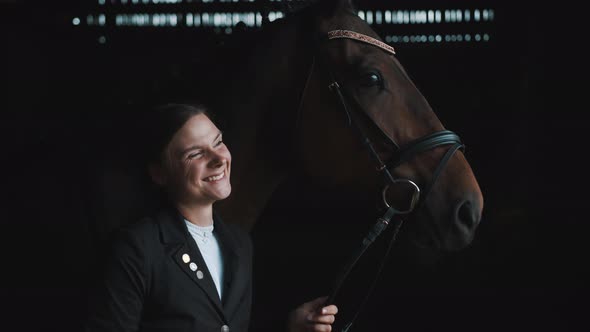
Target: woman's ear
157	174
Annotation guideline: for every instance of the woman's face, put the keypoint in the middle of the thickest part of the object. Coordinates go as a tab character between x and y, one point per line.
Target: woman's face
197	163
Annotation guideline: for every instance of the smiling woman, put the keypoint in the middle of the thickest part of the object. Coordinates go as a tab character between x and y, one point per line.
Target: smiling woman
184	269
195	167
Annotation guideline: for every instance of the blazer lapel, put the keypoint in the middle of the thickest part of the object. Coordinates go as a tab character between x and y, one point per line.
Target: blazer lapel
233	266
174	230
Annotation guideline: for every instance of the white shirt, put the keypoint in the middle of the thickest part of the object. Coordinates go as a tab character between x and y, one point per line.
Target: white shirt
209	248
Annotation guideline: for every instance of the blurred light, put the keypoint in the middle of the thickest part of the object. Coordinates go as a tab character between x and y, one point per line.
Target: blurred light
476	15
467	15
361	14
486	37
467	37
101	19
369	17
101	2
378	17
387	16
437	16
250	19
477	37
76	21
102	39
394	17
430	16
438	38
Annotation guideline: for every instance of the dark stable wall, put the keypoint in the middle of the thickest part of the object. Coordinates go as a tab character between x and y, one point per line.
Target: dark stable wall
517	102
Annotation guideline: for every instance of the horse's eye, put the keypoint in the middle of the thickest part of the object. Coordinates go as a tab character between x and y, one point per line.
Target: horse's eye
370	79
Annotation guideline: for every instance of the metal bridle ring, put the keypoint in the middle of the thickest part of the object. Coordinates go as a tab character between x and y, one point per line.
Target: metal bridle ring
414	200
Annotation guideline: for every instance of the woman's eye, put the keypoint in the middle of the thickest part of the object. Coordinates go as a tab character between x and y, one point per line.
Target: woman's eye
219	143
370	80
195	155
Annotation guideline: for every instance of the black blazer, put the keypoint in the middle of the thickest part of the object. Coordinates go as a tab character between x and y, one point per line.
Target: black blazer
148	286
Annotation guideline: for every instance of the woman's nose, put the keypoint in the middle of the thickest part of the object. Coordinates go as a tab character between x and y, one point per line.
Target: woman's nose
217	160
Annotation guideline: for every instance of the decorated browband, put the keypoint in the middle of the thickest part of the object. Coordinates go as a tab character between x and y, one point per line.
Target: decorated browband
347	34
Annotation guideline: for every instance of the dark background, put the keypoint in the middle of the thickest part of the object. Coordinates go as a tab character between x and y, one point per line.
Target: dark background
518	101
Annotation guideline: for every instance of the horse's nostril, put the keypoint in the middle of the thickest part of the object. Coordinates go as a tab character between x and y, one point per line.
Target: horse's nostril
466	214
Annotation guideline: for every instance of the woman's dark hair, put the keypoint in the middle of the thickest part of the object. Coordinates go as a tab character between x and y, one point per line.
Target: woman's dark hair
163	122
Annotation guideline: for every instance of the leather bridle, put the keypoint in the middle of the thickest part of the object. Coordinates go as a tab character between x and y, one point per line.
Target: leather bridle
403	154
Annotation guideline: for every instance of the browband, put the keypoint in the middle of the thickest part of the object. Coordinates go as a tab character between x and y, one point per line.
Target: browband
335	34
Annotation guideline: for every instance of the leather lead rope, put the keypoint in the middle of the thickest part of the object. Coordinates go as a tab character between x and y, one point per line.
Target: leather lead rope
379	226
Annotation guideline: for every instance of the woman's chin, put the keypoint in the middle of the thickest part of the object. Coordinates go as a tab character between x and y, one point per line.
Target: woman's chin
221	193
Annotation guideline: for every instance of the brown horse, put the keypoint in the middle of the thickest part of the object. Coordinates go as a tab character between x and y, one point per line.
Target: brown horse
284	92
303	97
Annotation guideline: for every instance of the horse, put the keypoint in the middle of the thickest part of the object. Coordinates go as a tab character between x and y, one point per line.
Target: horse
316	92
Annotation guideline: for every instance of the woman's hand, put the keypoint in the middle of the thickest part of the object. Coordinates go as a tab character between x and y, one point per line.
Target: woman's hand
311	316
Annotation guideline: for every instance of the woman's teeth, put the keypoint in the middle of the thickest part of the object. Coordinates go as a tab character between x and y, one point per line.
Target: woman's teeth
214	177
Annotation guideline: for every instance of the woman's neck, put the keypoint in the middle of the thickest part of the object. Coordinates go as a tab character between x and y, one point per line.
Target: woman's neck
200	215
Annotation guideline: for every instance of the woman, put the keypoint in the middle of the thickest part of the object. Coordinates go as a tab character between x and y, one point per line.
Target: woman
184	269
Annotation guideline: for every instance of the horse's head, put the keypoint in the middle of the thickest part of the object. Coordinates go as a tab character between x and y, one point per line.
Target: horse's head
387	107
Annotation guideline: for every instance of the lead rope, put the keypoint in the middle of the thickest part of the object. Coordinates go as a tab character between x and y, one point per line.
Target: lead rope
373	233
376	278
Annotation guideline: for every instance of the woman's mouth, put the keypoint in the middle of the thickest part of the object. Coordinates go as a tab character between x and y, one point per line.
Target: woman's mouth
214	178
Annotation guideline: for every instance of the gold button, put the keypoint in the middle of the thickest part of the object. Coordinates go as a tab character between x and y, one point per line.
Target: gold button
193	266
225	328
186	258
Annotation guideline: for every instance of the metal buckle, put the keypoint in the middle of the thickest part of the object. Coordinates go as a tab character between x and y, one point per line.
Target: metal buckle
334	85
